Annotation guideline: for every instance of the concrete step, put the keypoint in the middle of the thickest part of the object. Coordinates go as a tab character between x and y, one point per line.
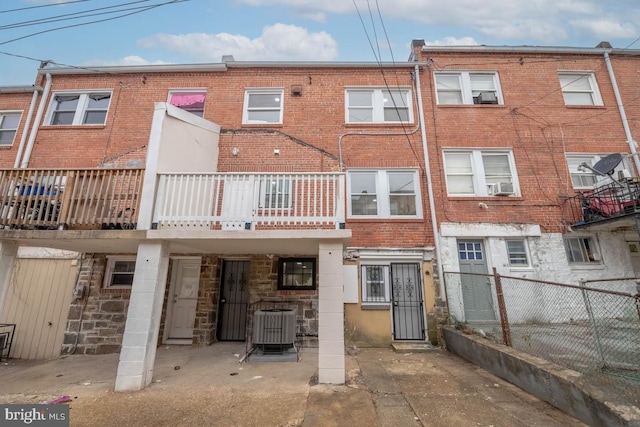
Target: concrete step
412	346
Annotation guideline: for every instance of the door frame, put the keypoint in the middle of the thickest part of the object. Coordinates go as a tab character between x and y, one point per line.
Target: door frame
172	286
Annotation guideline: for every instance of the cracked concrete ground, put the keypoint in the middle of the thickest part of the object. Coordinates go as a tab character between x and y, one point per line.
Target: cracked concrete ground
208	387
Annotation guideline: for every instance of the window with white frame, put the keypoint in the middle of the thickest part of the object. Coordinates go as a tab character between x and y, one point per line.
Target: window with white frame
384	194
87	108
480	173
262	106
275	193
581	250
378	105
579	88
375	283
9	121
119	272
191	100
517	252
582	177
468	87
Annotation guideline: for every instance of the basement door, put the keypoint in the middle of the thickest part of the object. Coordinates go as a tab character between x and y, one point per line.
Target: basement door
408	304
234	301
476	290
185	282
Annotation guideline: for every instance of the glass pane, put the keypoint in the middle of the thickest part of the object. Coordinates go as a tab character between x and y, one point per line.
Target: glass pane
6	136
66	103
496	164
360	99
401	183
95	117
575	82
578	98
460	184
396	115
124	266
394	99
119	279
364	205
264	116
515	246
363	183
458	163
9	121
482	82
361	115
99	102
62	118
402	205
448	82
450	98
264	100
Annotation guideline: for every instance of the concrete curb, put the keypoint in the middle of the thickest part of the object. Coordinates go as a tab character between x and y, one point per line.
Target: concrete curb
563	388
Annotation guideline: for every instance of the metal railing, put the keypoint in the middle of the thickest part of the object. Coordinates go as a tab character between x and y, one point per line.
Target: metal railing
592	327
73	198
607	201
232	201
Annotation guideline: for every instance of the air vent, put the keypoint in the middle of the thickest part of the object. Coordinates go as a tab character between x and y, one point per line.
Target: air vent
500	189
277	326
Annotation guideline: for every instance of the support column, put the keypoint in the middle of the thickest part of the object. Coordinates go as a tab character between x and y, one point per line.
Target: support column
8	252
140	340
331	362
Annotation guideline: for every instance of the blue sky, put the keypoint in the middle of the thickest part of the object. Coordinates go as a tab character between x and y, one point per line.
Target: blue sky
196	31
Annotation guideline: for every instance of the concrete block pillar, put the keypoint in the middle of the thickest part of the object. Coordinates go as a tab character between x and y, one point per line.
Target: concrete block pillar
138	353
8	252
331	362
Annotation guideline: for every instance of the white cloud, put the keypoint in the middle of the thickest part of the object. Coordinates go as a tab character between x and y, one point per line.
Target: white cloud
551	21
127	60
452	41
277	42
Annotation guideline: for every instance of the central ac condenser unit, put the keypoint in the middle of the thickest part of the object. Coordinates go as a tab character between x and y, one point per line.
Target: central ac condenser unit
276	326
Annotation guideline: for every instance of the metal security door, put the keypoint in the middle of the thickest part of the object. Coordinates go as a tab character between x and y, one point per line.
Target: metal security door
476	290
234	301
408	317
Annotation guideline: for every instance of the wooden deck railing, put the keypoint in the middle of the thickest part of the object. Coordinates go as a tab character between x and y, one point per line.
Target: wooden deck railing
239	201
70	198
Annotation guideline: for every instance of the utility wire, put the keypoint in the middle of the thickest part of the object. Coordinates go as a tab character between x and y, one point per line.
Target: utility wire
94	22
43	5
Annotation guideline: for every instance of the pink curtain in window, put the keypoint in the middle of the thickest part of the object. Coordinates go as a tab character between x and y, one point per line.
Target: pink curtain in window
184	99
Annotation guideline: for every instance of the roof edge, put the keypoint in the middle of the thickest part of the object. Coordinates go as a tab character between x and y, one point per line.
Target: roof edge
530	49
20	89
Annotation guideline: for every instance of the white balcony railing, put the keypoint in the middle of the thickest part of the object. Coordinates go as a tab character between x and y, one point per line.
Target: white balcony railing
239	201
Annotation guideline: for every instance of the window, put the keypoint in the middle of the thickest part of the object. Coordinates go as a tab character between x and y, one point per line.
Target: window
189	100
468	87
262	106
581	250
119	272
579	89
517	251
79	108
9	122
583	178
375	283
378	106
297	274
384	194
480	173
275	193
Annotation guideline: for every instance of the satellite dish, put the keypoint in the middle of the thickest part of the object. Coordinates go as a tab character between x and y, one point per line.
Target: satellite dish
606	165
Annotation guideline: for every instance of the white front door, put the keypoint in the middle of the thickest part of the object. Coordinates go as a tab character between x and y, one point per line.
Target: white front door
184	294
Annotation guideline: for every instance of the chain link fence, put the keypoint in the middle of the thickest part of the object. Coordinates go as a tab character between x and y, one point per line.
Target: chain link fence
592	327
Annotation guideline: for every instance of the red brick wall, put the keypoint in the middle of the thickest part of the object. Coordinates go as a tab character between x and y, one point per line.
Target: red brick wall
14	102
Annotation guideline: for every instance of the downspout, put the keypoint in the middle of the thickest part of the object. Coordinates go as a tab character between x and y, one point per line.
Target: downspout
427	170
623	115
36	123
27	123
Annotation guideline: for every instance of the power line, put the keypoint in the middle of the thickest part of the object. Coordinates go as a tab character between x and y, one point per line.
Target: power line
75	15
94	22
42	5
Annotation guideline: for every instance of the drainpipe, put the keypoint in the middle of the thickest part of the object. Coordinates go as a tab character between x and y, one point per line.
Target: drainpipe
623	116
27	123
36	123
427	170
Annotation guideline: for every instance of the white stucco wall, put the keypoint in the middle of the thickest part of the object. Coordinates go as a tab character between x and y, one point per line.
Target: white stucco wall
527	301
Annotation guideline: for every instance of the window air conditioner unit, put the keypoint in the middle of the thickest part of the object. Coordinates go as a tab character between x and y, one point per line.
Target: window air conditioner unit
487	98
501	189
